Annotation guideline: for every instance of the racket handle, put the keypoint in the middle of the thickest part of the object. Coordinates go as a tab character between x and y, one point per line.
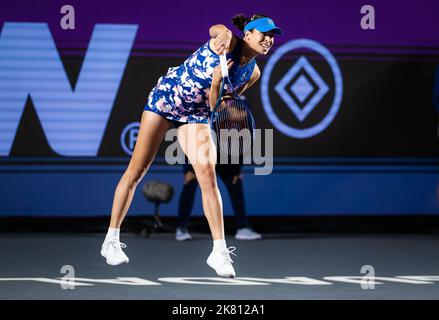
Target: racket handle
223	63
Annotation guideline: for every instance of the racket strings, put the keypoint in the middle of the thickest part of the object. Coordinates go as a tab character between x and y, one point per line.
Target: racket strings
232	114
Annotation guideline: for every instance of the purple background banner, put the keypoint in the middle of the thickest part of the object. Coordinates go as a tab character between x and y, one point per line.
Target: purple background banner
183	25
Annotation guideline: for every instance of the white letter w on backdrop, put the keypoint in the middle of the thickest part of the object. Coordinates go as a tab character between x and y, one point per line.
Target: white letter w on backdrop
73	119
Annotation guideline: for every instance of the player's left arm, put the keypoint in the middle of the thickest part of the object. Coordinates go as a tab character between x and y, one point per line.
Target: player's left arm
253	78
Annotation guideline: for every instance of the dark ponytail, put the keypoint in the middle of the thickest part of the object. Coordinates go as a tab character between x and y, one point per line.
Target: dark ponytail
240	20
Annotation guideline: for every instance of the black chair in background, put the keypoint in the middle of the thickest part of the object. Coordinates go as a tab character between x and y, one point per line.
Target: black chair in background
157	192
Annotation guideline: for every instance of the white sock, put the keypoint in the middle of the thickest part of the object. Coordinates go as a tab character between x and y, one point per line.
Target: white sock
219	244
113	233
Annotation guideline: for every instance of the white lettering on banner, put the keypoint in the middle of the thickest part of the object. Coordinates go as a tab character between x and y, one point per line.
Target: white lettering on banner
212	281
292	280
359	280
129	281
135	281
46	280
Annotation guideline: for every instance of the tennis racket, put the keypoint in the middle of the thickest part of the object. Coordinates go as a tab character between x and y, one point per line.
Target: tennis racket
231	119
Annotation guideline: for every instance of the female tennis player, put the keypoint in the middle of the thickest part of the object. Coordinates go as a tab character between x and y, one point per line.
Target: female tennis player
185	97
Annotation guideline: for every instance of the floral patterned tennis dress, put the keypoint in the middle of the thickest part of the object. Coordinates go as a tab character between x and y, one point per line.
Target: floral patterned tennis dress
182	95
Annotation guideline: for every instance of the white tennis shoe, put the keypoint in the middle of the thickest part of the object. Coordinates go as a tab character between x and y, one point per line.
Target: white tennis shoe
182	234
220	261
112	251
247	234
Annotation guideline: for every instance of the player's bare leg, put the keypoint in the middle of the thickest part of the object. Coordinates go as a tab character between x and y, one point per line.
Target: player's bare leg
152	130
197	144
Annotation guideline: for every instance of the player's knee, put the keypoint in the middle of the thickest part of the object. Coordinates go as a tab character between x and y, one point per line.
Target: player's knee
206	178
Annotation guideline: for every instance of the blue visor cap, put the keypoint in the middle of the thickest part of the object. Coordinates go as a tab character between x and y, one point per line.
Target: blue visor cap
263	25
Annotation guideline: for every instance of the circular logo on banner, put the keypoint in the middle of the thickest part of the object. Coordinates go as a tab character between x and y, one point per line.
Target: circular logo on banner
301	89
128	137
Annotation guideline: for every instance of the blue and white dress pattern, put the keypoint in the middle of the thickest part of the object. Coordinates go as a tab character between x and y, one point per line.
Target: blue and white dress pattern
183	93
